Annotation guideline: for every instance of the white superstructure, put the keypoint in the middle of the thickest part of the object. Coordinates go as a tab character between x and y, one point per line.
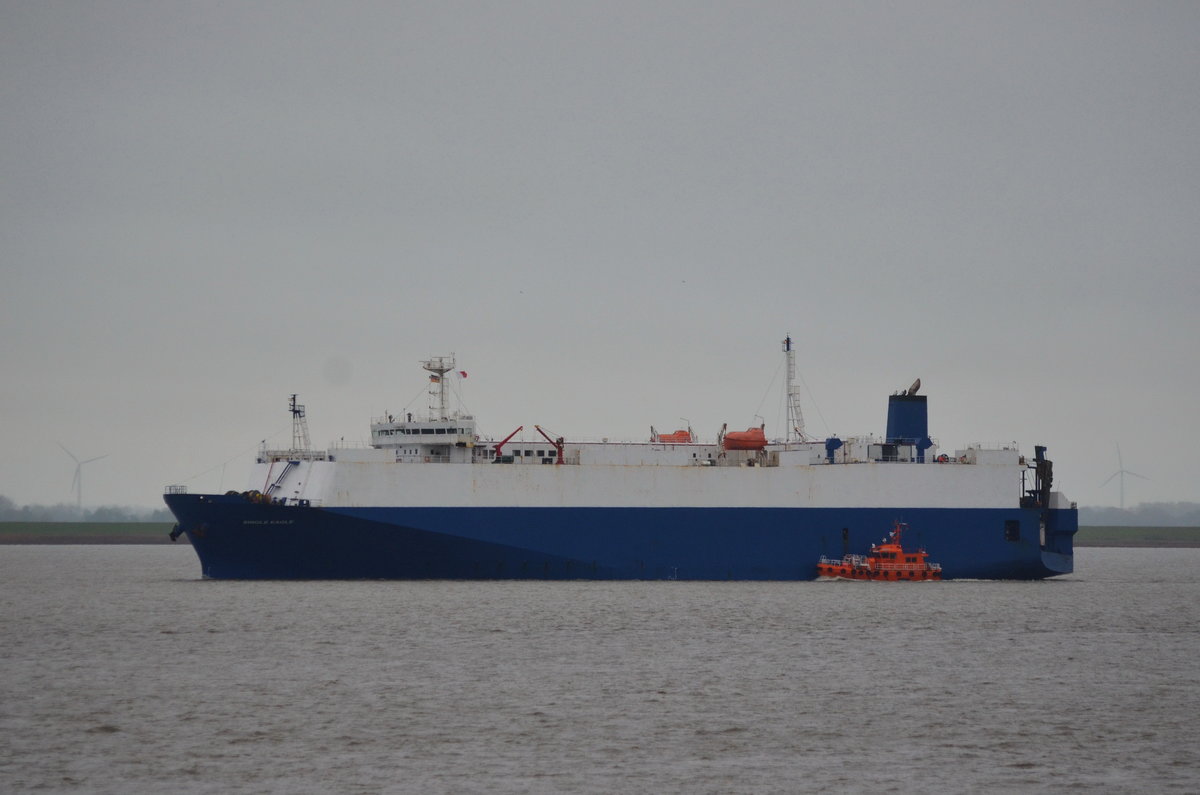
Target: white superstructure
440	460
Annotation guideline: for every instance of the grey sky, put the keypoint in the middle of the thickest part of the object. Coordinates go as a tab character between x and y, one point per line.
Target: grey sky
612	212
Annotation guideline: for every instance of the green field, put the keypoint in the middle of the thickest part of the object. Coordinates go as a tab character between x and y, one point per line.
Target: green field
1138	537
156	533
86	533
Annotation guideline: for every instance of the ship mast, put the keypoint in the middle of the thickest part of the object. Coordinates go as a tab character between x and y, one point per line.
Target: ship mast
795	417
438	366
299	426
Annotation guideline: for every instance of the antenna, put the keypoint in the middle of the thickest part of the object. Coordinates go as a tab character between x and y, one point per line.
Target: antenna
438	366
299	426
77	482
1121	472
795	417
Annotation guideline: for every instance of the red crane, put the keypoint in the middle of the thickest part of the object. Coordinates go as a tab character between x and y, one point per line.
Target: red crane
504	441
558	443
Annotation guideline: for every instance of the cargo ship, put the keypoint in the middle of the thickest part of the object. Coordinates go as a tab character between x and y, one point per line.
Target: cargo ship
430	498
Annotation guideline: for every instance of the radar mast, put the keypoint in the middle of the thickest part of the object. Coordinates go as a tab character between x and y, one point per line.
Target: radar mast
795	424
299	426
438	366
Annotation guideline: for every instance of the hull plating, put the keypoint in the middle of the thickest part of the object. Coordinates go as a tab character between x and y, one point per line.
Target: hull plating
236	539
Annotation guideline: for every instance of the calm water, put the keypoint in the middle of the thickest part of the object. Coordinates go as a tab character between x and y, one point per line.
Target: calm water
123	671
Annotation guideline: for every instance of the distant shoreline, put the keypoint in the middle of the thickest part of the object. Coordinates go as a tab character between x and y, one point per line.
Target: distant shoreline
26	539
1183	543
1113	536
157	533
87	533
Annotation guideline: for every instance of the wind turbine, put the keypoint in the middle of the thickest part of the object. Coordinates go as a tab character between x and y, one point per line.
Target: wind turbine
77	483
1122	472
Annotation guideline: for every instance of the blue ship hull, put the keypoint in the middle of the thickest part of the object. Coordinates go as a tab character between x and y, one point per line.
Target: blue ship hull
239	539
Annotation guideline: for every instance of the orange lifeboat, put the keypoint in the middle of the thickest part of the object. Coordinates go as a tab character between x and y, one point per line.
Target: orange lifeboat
749	439
678	437
887	561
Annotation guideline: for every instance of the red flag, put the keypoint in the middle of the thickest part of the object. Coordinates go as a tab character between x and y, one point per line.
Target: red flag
462	373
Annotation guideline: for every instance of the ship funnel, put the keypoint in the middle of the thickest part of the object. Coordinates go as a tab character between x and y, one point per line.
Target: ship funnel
908	419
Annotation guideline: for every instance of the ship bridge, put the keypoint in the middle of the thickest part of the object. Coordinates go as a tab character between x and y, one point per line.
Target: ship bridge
442	435
449	440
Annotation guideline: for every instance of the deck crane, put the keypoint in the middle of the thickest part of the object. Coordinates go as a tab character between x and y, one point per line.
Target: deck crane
504	441
558	442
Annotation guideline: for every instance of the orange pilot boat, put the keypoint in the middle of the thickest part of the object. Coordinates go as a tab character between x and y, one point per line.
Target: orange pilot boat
886	561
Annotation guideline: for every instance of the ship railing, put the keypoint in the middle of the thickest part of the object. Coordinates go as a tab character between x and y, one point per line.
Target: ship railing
568	460
896	459
351	444
853	560
293	502
175	489
266	455
388	419
910	567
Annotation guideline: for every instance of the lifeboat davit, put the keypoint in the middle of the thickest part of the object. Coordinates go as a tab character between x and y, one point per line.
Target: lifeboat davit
749	439
886	561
